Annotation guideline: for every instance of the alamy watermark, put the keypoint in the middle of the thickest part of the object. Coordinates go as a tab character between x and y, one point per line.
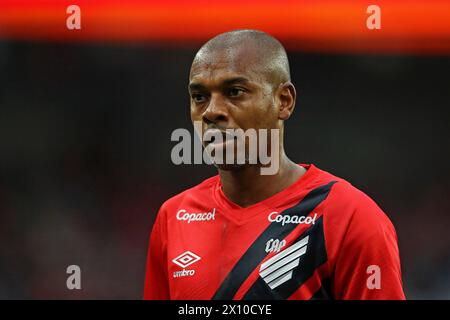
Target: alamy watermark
73	22
74	279
373	22
374	278
228	147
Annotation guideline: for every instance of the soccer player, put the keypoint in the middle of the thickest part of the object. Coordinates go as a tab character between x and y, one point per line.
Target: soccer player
301	233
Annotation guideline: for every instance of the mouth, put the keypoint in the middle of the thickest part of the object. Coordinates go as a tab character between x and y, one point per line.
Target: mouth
211	137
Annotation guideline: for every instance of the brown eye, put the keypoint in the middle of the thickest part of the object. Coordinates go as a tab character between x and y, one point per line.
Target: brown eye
197	97
235	92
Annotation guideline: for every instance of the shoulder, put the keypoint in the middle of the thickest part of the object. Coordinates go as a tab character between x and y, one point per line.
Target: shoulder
348	202
342	196
354	221
349	208
352	214
200	192
343	193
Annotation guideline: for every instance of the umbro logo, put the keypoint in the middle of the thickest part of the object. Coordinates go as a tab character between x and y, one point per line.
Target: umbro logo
278	269
184	260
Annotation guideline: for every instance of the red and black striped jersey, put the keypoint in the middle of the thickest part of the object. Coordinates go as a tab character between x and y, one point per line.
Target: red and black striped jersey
320	238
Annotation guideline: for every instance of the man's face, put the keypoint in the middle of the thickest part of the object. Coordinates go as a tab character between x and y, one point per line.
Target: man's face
229	90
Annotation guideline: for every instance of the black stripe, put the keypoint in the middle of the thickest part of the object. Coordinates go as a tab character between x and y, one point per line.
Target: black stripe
315	256
256	253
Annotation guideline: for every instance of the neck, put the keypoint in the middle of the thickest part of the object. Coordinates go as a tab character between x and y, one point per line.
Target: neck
246	186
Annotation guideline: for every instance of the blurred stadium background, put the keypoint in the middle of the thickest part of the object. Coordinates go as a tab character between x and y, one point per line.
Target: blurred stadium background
86	118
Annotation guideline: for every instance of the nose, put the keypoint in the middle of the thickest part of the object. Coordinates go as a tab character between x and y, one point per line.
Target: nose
216	111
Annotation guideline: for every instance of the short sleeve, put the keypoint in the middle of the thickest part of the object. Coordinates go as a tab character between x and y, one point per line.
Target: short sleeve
368	263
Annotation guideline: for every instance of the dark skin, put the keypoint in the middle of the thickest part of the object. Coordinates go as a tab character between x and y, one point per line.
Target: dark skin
233	89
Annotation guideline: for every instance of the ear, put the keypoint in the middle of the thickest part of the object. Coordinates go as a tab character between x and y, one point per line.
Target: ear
286	96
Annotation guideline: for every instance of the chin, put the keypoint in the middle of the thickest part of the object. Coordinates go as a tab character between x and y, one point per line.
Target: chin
231	167
235	167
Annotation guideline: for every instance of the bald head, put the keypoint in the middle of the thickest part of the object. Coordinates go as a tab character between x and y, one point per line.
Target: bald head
254	50
240	80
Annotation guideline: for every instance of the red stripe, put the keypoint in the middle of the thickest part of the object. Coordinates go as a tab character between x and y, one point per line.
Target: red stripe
312	285
407	26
